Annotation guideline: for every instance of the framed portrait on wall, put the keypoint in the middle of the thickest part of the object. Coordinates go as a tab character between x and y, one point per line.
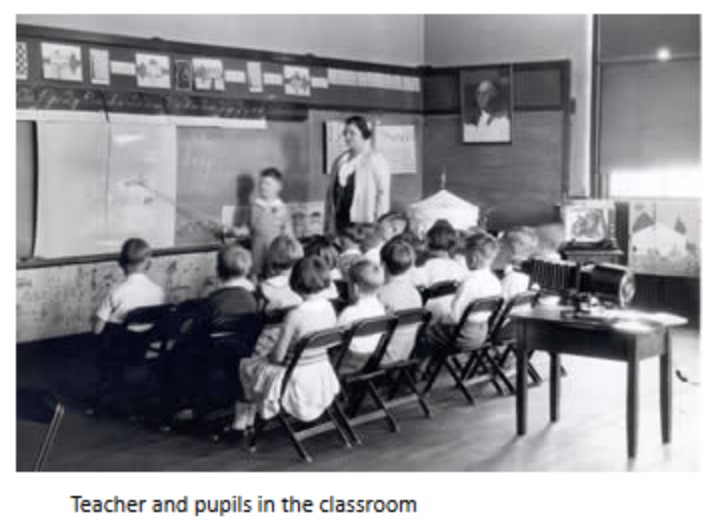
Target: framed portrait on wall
486	104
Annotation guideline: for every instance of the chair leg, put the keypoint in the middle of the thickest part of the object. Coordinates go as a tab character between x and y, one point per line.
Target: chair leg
390	420
347	424
496	370
434	374
419	396
457	380
295	441
338	425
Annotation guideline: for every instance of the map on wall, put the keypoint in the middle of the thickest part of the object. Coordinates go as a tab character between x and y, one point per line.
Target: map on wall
664	237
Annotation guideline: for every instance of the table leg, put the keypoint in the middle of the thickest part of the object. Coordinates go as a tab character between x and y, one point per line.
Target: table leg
666	380
632	404
521	372
555	389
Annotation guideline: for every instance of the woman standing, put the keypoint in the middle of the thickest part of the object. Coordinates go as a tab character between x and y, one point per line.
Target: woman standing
359	185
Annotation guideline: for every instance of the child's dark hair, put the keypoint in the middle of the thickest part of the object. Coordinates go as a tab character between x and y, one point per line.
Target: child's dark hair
349	236
309	276
441	236
283	253
361	124
398	256
324	248
134	252
271	172
233	262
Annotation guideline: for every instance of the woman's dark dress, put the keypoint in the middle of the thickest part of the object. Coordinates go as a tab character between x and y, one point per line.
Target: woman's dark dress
343	197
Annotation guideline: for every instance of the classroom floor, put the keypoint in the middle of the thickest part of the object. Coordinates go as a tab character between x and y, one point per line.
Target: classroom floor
589	437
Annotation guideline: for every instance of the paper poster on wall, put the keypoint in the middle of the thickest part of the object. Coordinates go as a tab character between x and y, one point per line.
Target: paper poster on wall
153	71
21	62
307	218
254	72
334	143
61	62
71	191
100	66
664	237
235	76
297	81
183	75
208	74
398	145
141	184
122	68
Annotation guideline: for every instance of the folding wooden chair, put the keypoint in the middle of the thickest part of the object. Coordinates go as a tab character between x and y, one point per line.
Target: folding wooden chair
357	382
449	350
307	351
132	344
401	372
505	338
39	405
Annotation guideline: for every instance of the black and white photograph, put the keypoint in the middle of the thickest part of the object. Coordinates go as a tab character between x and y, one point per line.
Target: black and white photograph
486	104
492	265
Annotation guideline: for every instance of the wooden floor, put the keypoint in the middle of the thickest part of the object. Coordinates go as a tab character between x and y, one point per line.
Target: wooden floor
589	437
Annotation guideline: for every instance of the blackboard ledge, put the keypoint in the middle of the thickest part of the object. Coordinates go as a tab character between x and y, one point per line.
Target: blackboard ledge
111	257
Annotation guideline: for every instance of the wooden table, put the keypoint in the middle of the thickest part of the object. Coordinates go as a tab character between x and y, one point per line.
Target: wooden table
543	328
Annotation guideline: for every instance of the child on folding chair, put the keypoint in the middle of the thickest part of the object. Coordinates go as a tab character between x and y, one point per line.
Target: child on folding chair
349	241
365	279
314	386
480	251
322	247
136	291
399	294
284	252
519	244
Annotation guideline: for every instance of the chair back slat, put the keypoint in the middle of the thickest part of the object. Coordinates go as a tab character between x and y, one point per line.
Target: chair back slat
383	326
489	305
438	290
504	326
412	319
311	349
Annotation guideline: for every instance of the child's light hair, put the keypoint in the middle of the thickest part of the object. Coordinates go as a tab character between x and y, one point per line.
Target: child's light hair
283	253
233	262
366	275
481	249
520	244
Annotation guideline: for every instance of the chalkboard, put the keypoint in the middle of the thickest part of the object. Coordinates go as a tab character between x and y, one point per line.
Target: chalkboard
516	184
218	167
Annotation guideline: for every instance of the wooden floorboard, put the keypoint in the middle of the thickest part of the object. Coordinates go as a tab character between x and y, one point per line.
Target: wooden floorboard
589	437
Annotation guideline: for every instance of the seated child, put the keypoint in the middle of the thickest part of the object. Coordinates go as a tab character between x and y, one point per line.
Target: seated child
313	386
520	244
439	266
284	252
371	245
550	237
391	225
136	291
349	241
235	294
322	247
399	294
365	279
480	282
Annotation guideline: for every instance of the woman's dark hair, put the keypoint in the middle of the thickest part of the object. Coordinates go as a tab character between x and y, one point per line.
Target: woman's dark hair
361	124
271	172
324	248
398	256
309	276
441	236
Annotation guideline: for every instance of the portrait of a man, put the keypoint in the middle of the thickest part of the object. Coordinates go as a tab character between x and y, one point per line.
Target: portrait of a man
486	107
